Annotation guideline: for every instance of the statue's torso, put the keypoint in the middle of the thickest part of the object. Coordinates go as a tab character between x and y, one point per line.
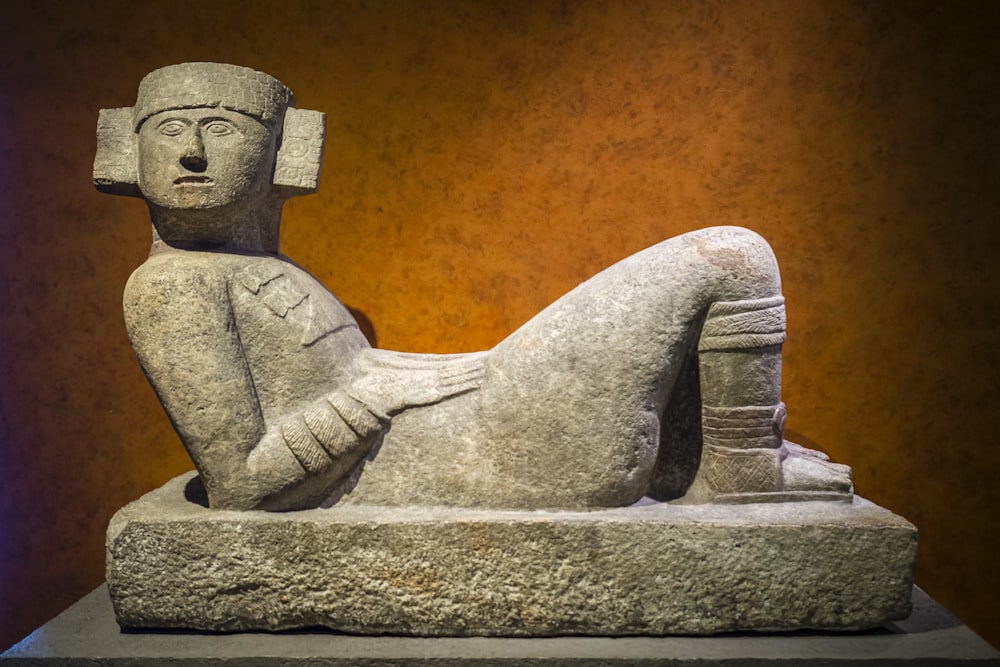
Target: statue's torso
543	430
297	340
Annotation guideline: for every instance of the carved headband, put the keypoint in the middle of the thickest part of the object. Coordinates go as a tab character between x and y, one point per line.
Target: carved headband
201	85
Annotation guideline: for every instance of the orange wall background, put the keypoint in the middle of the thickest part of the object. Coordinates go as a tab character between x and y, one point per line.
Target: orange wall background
485	157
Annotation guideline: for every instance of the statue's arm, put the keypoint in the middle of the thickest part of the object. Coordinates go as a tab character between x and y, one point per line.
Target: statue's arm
184	333
331	435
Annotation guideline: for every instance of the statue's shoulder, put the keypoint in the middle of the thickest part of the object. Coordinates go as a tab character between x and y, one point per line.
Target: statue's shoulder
186	281
202	272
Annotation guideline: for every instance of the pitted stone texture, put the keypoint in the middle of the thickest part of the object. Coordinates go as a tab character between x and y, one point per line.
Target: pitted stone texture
86	635
644	570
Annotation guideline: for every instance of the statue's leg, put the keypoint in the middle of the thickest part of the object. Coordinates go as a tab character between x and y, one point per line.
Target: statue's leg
744	456
592	403
595	401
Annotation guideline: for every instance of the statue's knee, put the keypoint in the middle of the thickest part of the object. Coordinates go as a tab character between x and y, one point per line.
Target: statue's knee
743	259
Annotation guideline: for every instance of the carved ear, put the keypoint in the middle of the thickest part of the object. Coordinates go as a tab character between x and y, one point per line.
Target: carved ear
300	156
116	169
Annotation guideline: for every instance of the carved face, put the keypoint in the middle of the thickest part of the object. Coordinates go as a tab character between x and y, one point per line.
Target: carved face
204	159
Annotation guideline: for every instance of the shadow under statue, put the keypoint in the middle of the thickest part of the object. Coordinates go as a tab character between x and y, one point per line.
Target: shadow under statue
657	380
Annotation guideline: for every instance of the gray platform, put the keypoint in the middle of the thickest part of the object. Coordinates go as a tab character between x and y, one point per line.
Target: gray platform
86	635
652	569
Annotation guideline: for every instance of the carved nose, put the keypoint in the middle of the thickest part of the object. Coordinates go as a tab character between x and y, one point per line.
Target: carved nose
193	158
195	163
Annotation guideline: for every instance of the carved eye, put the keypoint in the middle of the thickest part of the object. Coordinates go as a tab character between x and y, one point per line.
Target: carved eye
171	128
219	128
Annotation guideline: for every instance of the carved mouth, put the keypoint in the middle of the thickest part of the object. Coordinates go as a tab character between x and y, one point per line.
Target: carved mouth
193	180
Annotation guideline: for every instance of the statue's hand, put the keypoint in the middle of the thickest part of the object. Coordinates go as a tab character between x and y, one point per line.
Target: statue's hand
391	381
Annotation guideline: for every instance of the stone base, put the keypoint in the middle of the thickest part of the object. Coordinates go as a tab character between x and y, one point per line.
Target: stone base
649	569
86	635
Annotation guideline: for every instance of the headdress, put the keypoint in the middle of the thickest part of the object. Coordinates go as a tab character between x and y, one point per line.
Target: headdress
197	85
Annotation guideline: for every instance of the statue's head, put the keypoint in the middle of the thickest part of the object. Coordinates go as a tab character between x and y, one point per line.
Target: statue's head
207	138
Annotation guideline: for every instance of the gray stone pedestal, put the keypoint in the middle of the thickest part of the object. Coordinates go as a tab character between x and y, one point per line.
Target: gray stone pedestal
650	569
86	635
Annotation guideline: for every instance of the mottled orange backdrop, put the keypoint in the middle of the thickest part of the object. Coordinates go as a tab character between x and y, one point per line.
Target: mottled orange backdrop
485	157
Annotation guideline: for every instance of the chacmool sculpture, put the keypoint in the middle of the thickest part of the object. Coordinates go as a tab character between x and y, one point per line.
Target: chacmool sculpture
658	377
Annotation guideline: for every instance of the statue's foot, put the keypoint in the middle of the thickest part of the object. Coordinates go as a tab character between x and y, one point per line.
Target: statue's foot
788	473
809	471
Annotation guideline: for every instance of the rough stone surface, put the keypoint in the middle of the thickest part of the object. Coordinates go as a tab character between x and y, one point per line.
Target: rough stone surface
660	376
86	635
650	569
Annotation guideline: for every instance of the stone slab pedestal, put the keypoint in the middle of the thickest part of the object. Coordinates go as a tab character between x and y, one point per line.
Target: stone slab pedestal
649	569
86	635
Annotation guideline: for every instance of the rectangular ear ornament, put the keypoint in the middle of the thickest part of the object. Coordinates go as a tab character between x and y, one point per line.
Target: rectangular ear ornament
116	161
301	153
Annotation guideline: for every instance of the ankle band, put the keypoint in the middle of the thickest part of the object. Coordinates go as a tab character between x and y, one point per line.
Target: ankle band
744	427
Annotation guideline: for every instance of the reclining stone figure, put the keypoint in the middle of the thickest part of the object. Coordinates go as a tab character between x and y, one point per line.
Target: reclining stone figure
658	377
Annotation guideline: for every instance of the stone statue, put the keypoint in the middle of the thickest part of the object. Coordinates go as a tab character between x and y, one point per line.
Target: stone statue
419	476
658	377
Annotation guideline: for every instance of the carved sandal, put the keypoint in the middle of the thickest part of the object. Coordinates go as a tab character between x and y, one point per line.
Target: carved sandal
746	460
